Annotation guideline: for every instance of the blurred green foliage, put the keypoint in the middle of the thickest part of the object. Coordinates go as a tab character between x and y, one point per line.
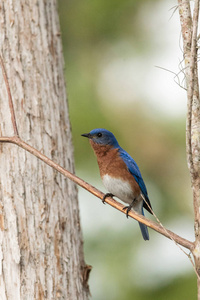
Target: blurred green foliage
90	30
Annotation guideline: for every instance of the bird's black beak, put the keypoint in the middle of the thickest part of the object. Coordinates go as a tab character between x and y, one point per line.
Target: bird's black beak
88	135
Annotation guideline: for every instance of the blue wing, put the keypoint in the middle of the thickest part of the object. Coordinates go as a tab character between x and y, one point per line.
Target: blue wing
135	171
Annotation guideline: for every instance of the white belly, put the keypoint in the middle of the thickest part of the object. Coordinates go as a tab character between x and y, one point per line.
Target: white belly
118	188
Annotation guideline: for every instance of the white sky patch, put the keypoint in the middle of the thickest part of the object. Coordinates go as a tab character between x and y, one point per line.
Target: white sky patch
125	79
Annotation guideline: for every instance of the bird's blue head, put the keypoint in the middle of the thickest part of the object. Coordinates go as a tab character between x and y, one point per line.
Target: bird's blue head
102	137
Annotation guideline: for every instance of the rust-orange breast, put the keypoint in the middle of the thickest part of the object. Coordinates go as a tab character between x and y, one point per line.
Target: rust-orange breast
111	163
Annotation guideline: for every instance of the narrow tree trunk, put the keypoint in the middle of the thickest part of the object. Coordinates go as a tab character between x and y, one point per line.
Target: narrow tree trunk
41	251
189	28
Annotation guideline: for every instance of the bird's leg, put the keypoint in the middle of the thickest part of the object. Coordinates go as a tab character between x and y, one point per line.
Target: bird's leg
105	196
128	208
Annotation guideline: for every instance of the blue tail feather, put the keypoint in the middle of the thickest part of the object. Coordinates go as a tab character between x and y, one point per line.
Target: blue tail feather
144	231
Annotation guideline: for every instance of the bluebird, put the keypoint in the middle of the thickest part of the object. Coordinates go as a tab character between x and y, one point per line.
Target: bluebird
120	173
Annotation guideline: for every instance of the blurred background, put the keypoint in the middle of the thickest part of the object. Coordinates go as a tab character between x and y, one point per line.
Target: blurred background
121	59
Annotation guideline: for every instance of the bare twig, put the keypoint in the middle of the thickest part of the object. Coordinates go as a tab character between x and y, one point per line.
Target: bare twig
10	101
174	9
176	76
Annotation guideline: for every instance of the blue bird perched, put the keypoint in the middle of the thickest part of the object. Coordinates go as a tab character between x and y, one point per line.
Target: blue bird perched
120	173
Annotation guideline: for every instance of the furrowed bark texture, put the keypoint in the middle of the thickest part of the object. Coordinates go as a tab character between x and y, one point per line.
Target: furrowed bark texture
41	253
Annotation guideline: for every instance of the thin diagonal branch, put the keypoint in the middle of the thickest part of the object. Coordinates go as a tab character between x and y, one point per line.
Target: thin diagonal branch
155	226
10	101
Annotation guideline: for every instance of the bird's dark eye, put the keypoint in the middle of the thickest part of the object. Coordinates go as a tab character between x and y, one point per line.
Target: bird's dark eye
99	134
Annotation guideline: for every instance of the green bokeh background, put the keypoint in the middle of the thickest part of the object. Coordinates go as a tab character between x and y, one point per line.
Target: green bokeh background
94	32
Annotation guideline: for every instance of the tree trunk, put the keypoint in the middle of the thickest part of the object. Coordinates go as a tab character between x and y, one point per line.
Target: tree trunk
189	29
41	249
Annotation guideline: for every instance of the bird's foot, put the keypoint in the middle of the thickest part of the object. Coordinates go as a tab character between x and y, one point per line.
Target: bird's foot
105	196
127	208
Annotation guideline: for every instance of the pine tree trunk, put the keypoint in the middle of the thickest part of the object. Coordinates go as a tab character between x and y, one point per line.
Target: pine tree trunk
41	249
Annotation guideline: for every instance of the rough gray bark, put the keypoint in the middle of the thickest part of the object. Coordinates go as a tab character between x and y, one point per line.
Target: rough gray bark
189	29
41	251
